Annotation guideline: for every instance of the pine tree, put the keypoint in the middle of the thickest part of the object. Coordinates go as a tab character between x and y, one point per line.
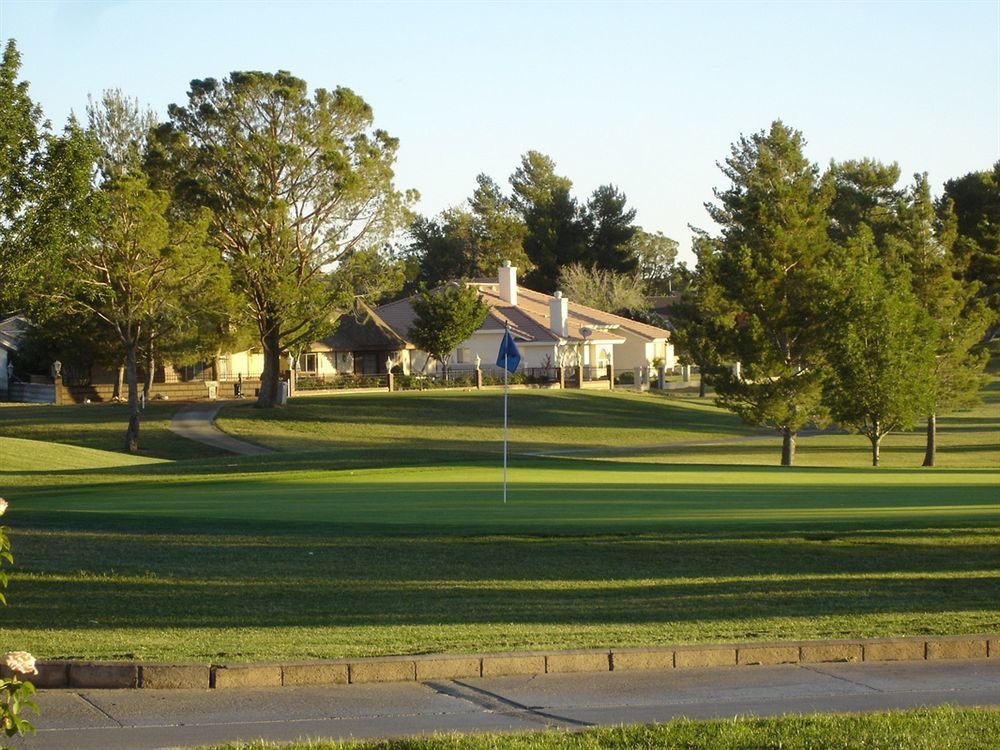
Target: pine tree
765	274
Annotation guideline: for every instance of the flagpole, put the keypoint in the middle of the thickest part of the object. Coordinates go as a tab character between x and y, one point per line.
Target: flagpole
505	371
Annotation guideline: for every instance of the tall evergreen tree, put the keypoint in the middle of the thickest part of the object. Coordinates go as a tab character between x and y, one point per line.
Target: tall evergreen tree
774	235
957	318
865	193
609	225
975	200
555	235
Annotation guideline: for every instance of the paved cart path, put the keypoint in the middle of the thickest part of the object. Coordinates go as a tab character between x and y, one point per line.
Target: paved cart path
153	719
195	422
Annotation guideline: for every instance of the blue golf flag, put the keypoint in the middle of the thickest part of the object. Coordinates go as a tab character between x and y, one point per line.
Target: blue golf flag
508	356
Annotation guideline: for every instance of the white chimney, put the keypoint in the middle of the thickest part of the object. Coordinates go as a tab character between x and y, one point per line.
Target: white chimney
558	314
508	283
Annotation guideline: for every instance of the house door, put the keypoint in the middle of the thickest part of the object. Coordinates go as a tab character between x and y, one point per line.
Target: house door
365	363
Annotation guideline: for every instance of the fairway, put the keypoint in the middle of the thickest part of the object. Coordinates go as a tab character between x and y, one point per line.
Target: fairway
384	544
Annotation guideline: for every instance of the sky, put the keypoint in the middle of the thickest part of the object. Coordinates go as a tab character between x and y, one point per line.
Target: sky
648	96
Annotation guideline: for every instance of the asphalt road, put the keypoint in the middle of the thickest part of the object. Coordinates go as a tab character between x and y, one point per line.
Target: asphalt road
145	719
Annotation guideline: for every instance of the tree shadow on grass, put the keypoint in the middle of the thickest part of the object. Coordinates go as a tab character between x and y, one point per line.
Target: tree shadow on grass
101	580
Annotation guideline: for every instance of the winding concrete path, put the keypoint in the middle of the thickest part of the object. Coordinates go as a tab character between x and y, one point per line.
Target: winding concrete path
195	422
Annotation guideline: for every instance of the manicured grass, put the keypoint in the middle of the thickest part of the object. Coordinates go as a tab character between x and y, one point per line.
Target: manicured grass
922	729
369	539
39	456
585	554
472	421
99	426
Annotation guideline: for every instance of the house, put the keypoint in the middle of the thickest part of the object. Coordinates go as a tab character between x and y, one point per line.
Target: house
11	331
360	345
550	331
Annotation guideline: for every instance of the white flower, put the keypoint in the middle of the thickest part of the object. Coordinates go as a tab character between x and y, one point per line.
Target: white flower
3	506
20	661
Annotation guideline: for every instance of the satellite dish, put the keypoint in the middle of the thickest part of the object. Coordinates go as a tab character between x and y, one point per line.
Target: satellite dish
586	331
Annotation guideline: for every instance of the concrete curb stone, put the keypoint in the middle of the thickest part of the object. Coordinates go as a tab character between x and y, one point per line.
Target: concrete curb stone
103	675
315	673
387	669
636	659
578	661
174	676
100	675
246	675
447	667
513	664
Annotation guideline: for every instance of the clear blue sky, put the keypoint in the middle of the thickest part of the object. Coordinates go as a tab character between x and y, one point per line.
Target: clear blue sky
645	95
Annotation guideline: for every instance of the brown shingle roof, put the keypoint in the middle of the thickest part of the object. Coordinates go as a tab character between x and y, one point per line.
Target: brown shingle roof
364	330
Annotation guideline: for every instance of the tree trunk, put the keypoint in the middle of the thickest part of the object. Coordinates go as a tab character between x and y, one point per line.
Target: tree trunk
119	384
132	377
147	382
268	396
876	443
931	452
788	447
701	385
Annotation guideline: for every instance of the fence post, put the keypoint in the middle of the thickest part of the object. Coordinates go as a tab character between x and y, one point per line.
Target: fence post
561	377
390	379
611	377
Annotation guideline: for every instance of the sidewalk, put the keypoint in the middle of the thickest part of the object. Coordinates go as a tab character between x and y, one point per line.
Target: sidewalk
195	422
154	719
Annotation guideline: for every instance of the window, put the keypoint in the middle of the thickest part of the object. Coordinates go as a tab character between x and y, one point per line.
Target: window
309	362
463	356
196	371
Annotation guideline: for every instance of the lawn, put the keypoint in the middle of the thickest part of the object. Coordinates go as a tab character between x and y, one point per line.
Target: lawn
943	728
363	538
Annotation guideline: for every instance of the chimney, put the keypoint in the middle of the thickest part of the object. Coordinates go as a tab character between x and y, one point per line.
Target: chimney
558	314
508	283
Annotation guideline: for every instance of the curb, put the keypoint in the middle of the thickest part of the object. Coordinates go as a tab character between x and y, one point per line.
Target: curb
113	675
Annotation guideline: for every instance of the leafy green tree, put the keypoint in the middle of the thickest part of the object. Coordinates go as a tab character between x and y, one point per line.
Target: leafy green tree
702	318
773	236
141	272
975	200
44	182
372	273
469	242
657	255
445	317
555	235
880	344
609	227
498	229
296	183
444	247
138	269
600	288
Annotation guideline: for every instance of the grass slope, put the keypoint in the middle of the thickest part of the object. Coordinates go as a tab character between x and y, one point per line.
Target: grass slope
17	455
101	427
371	539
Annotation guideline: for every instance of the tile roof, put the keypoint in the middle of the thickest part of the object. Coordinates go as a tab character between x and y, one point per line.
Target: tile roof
529	320
364	330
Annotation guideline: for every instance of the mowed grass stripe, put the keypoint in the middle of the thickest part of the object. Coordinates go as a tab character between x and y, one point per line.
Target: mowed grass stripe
557	497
